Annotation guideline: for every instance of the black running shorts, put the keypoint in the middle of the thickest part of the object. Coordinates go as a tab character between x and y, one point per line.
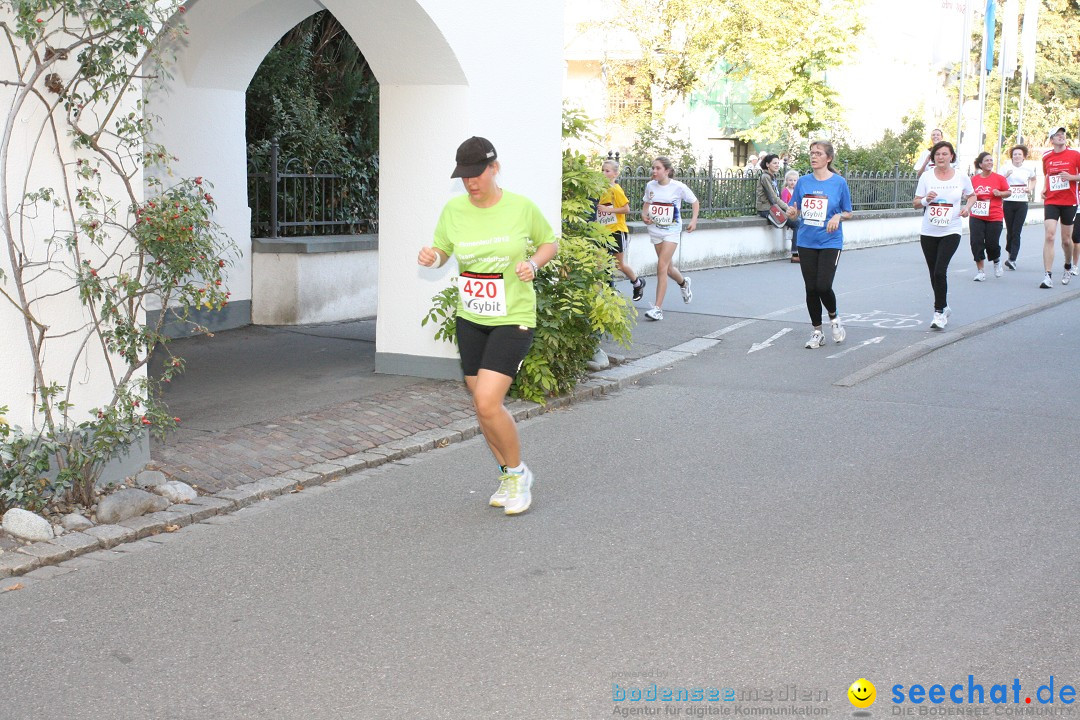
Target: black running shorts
1064	213
499	348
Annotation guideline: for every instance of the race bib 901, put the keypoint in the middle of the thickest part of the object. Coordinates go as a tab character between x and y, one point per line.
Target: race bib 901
483	293
813	209
662	214
940	214
1058	183
981	208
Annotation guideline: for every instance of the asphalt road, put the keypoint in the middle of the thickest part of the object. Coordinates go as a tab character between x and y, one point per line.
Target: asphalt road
737	520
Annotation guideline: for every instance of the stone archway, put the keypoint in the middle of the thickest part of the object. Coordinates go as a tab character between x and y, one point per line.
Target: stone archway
447	69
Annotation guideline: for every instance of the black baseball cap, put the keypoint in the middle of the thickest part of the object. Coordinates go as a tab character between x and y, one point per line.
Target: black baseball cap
473	157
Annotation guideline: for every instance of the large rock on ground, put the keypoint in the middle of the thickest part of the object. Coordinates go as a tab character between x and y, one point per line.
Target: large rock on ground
128	503
75	521
176	492
150	479
25	525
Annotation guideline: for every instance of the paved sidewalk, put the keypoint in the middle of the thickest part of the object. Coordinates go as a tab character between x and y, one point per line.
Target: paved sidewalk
219	461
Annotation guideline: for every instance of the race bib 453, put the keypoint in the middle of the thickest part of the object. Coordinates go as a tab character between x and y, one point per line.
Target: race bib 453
813	209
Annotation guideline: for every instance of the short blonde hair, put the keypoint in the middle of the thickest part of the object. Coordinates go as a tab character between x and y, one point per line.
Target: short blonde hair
613	163
791	174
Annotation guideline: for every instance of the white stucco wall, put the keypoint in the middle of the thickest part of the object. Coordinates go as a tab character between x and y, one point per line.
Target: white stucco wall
447	69
69	358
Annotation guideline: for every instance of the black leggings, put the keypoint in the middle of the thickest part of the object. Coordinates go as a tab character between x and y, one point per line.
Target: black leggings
1015	214
938	251
985	239
818	270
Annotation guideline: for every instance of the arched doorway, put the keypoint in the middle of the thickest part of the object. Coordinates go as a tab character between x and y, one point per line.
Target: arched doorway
446	69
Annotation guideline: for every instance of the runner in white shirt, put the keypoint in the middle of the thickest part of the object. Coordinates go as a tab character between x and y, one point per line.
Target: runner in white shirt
661	211
947	196
1021	177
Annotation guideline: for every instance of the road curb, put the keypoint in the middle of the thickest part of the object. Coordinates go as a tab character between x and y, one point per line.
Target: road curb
940	340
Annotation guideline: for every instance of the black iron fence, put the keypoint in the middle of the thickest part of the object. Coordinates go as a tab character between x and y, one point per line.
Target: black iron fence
290	198
732	193
315	200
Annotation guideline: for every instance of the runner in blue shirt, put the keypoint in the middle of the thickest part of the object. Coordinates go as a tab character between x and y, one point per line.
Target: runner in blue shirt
820	201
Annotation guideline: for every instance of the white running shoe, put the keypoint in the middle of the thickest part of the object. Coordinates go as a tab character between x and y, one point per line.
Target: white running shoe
519	487
655	313
816	340
939	321
838	331
1010	264
979	276
1075	270
1065	277
946	313
998	269
1048	282
503	493
687	293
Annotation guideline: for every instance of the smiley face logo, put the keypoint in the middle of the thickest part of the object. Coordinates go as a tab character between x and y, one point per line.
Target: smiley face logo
862	693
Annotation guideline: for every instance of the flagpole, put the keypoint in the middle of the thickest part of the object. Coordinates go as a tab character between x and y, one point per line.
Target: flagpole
1023	96
965	52
1001	120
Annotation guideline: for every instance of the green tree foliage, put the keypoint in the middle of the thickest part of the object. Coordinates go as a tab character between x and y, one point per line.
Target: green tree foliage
886	154
785	53
657	139
575	306
315	92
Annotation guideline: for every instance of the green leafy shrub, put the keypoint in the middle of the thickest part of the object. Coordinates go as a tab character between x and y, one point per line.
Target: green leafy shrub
575	306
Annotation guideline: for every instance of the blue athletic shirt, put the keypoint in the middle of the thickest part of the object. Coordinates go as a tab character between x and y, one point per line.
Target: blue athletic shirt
838	196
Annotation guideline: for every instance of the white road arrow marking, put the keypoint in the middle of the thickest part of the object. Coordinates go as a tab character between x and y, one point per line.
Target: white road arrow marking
762	345
864	343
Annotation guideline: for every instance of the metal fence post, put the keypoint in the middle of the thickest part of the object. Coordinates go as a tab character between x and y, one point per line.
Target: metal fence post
273	188
896	186
710	186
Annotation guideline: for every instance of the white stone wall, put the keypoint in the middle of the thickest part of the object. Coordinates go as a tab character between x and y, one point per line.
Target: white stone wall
72	357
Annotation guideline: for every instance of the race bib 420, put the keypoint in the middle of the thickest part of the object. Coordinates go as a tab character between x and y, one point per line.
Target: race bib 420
483	293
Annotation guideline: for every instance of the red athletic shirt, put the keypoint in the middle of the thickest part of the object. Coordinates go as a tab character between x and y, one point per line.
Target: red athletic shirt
1068	160
983	187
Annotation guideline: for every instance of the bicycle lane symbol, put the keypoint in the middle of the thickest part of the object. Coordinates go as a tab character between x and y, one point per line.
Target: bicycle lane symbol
882	319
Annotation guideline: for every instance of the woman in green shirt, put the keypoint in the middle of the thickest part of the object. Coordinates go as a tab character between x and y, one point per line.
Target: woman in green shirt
488	231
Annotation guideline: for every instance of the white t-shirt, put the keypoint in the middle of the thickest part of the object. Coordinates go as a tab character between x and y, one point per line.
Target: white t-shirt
665	206
1018	180
942	216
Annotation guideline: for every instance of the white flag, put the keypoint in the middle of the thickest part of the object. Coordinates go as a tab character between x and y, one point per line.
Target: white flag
1027	39
947	26
1010	30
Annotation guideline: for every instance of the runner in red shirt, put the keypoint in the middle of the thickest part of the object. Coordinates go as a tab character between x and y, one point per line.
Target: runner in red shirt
987	215
1061	168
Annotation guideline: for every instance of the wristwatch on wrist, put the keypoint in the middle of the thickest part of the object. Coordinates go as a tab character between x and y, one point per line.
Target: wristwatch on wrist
535	267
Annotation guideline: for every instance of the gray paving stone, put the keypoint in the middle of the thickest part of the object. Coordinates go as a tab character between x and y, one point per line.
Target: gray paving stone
111	535
274	486
407	446
360	461
241	495
208	506
80	542
14	563
49	553
144	525
326	471
300	476
171	517
182	512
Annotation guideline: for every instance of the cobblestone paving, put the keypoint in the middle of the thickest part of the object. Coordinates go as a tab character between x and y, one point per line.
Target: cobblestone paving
219	461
